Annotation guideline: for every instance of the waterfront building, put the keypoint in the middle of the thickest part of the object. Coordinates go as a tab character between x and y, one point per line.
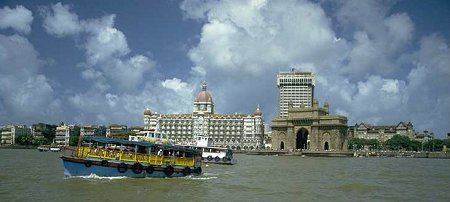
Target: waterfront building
381	132
135	129
37	130
235	131
309	128
95	130
10	132
62	135
295	87
116	129
424	137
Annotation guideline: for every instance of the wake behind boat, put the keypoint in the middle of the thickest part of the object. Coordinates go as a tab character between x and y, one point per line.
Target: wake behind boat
107	157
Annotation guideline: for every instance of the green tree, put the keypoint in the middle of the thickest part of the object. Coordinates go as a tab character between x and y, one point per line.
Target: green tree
74	136
356	143
49	132
373	144
415	145
398	142
434	145
40	141
24	139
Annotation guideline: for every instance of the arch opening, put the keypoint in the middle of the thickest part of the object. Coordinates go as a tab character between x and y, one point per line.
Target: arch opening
282	146
326	146
302	139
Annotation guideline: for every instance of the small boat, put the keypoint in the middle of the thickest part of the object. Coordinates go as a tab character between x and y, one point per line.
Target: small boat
107	157
217	155
48	148
151	137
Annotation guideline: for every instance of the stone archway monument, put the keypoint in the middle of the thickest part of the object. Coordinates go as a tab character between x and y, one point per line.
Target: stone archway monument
310	128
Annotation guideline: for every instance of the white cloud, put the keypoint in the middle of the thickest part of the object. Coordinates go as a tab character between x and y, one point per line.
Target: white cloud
255	36
377	39
59	21
244	44
176	85
19	19
105	41
391	86
25	94
117	77
106	49
129	73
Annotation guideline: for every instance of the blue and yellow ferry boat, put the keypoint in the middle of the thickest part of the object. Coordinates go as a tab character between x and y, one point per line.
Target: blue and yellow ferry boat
107	157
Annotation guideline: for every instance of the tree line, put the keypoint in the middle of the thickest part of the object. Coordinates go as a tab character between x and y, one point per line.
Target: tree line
398	143
48	133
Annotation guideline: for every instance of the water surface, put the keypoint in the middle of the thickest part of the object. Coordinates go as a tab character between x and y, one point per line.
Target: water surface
29	175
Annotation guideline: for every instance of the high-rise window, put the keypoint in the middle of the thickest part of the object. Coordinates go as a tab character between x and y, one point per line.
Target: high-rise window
296	87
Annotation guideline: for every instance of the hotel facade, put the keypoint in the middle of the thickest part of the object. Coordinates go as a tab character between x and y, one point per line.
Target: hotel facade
235	131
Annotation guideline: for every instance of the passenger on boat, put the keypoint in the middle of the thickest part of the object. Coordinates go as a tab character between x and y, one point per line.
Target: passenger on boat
160	152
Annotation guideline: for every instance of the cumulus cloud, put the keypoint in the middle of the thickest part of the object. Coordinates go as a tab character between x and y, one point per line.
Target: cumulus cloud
105	41
378	36
59	21
360	70
106	48
25	94
116	77
19	19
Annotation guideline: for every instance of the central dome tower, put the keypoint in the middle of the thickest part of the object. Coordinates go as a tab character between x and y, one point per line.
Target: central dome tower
203	103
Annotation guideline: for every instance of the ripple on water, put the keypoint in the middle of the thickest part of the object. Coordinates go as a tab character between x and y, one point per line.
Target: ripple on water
358	188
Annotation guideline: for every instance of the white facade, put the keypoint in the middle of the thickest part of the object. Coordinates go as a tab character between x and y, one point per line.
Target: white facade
114	129
381	133
62	135
296	87
236	131
89	130
10	132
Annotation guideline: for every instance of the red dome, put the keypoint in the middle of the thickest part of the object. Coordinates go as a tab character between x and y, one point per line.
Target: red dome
203	96
147	112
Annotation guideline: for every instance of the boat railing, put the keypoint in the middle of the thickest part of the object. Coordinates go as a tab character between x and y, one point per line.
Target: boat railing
152	159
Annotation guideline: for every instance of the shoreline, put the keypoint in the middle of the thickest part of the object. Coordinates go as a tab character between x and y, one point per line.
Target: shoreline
18	147
367	154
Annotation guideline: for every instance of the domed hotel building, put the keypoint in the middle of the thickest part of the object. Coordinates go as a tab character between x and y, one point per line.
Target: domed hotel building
235	131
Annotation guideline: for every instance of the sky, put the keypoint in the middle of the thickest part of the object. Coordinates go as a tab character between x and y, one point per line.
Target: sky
104	62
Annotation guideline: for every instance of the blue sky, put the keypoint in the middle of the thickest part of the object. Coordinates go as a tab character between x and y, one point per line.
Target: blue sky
104	62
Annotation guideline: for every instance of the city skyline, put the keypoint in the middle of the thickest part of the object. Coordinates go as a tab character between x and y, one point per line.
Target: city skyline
86	62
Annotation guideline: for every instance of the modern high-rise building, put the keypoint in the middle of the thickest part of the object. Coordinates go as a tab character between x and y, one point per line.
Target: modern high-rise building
235	131
296	87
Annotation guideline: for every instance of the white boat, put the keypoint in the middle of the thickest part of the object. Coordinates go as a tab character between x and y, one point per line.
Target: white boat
49	148
218	155
151	137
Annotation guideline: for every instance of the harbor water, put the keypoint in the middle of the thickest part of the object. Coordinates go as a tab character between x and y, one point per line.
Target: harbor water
29	175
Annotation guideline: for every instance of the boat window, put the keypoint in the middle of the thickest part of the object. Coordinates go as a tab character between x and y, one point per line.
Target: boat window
142	150
189	154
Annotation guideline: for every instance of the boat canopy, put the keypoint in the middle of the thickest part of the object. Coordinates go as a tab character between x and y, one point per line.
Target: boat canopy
133	143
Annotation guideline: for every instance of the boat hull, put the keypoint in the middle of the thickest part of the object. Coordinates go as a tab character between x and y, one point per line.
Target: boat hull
86	167
208	159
